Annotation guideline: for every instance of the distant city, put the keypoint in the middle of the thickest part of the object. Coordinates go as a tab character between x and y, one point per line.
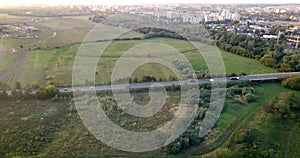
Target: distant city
256	20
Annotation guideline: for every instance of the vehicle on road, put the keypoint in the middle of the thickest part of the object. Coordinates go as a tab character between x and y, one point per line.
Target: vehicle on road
212	80
235	78
66	89
193	81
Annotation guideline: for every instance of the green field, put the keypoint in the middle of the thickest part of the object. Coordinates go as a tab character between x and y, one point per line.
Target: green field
57	64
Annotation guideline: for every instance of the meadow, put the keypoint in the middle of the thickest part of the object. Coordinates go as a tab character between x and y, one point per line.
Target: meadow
57	64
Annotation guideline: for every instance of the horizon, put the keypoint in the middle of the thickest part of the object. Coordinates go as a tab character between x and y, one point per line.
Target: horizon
136	2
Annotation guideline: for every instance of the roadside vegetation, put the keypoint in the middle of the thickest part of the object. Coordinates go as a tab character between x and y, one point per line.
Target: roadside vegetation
247	104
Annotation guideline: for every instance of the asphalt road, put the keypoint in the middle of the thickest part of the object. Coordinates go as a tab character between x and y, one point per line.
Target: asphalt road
258	77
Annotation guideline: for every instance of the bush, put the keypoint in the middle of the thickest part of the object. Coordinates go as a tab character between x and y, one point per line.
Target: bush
47	92
292	82
249	98
3	95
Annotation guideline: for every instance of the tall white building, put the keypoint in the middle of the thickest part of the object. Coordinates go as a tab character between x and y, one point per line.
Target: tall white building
226	14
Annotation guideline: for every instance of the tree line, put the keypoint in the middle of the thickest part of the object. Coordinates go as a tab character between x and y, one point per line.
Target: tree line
32	91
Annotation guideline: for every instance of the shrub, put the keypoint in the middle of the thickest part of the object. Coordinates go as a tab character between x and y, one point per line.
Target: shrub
292	82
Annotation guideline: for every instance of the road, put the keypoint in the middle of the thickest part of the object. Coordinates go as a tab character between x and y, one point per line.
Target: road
258	77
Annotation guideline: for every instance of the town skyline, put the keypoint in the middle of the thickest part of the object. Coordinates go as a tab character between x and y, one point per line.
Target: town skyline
137	2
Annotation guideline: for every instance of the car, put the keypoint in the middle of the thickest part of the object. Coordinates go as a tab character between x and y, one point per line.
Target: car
212	80
91	87
234	78
66	89
192	80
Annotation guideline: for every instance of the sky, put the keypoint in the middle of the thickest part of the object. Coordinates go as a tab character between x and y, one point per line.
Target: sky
130	2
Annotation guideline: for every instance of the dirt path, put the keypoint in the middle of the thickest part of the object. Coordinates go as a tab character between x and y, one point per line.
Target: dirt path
42	41
12	75
3	74
20	61
2	55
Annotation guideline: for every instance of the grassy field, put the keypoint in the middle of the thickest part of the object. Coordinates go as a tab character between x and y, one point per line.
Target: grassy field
235	111
282	137
57	64
41	128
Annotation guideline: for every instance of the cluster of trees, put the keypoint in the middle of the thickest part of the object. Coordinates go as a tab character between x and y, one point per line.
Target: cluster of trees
268	52
290	62
46	91
97	18
190	137
285	106
236	50
3	93
151	32
242	45
185	69
17	91
242	95
292	82
144	78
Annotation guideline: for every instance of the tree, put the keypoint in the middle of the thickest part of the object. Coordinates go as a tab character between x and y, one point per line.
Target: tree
27	92
249	98
41	93
46	92
268	60
135	80
18	86
292	82
51	91
3	95
17	94
284	67
223	152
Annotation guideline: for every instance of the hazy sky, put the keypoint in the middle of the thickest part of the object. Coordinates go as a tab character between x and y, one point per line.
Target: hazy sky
122	2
